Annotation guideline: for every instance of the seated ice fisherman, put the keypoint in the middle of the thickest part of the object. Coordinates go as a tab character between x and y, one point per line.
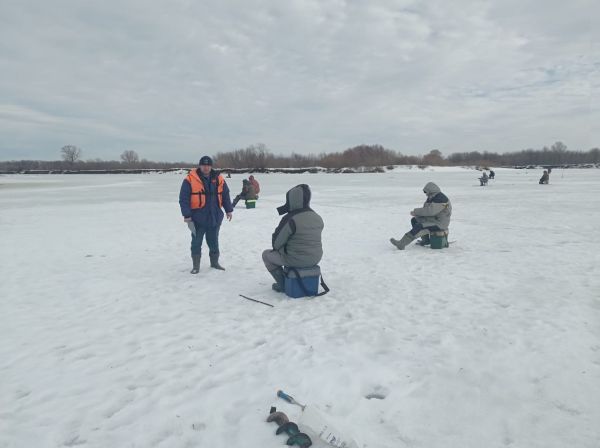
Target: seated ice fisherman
296	241
483	180
545	179
433	216
247	193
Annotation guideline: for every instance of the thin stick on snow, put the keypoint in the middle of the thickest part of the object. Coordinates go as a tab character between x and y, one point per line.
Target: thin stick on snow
257	301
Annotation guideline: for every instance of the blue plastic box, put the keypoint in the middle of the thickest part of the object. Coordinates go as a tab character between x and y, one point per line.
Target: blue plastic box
309	278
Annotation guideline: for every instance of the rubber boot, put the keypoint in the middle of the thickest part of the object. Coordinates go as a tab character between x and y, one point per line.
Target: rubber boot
214	261
279	277
405	241
195	264
424	241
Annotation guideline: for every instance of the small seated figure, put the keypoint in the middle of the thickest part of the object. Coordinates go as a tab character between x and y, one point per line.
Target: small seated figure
247	193
483	180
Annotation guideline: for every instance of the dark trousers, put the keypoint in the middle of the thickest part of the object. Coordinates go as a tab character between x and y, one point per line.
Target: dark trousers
212	239
417	227
238	197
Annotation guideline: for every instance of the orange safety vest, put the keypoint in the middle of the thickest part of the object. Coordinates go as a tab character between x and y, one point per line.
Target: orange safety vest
198	196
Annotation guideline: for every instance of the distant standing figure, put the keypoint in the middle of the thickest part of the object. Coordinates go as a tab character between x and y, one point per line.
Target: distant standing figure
545	179
483	180
247	192
492	174
433	216
255	184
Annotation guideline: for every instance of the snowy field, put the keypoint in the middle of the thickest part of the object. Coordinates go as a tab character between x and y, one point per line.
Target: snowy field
108	341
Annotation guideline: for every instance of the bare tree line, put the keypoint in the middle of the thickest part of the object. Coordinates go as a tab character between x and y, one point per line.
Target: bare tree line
259	157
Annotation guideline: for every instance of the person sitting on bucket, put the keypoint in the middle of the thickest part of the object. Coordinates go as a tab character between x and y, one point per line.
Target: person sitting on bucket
545	179
248	192
433	216
296	241
483	180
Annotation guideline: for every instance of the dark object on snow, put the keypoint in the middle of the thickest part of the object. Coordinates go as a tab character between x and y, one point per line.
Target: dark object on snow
492	174
296	437
254	300
300	439
278	417
289	428
545	179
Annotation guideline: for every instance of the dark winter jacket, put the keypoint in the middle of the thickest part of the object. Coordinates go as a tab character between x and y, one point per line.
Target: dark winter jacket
298	236
211	215
545	178
436	210
248	191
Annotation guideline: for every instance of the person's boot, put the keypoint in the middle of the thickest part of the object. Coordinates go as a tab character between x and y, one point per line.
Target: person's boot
279	277
195	264
214	261
405	241
424	241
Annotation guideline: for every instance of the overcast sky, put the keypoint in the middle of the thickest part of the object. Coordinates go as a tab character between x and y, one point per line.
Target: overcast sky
174	80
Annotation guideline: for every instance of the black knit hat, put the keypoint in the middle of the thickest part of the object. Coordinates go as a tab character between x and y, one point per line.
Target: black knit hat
205	161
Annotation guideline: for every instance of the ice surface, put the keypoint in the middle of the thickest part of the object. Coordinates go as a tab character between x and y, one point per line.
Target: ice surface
108	341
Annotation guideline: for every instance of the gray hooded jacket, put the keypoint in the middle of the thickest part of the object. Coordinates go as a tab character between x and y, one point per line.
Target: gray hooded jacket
298	236
436	210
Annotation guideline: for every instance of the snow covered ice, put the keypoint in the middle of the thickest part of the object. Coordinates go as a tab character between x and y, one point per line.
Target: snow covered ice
108	341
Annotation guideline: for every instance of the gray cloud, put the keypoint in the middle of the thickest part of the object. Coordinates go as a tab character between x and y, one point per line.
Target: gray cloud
175	79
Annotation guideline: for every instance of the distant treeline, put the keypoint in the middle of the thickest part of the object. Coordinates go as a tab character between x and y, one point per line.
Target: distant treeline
18	166
259	157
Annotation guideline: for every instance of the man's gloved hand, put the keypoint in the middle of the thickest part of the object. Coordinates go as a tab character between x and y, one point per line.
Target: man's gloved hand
191	226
